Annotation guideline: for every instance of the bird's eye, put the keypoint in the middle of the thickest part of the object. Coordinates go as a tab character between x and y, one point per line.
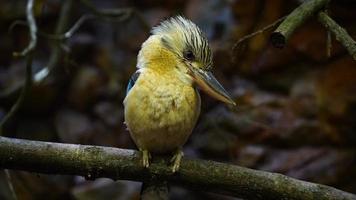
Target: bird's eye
189	55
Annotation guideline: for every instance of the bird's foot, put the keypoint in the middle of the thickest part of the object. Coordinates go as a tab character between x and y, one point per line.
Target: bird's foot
176	159
146	156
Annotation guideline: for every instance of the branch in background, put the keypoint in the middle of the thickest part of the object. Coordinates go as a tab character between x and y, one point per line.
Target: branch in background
94	162
340	34
282	34
56	53
247	37
70	32
33	30
328	36
10	184
63	36
60	35
155	190
28	52
25	89
328	44
120	14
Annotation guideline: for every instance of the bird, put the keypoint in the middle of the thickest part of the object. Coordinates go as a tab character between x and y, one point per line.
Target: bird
162	102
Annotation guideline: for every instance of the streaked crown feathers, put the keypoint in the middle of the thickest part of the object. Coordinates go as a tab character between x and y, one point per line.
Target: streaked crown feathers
181	35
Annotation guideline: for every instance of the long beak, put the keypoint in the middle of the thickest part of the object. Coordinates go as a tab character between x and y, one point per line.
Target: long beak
210	85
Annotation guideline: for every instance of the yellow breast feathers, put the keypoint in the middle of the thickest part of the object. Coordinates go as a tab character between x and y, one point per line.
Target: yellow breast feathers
162	104
162	107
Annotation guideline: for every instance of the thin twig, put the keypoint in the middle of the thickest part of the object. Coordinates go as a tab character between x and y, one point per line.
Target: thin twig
340	33
70	32
33	30
56	51
28	52
296	18
96	161
328	36
120	14
26	87
16	23
260	31
328	44
11	185
123	13
61	36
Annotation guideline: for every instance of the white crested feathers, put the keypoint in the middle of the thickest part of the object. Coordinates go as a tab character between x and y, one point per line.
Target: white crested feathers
180	34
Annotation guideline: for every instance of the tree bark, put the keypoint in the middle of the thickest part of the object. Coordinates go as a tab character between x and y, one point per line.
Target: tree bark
94	161
295	19
340	33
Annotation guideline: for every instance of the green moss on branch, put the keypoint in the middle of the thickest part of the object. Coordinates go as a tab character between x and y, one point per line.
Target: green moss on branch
296	18
340	33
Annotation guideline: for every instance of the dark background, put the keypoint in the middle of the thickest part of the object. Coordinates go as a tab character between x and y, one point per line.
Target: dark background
296	112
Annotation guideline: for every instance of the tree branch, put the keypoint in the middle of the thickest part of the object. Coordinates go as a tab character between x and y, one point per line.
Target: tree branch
28	52
94	162
56	51
33	30
25	89
340	34
121	13
260	31
296	18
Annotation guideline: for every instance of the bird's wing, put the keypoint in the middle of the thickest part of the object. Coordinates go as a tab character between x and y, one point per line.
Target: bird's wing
132	81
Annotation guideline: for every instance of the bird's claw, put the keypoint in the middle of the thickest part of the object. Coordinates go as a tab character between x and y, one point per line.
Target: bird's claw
146	156
176	159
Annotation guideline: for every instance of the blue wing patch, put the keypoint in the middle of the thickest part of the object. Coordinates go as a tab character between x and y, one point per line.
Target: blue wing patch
132	81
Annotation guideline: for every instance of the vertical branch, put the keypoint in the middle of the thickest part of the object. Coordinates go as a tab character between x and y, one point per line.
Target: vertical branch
28	52
9	182
328	44
340	33
328	37
62	25
26	87
33	30
154	190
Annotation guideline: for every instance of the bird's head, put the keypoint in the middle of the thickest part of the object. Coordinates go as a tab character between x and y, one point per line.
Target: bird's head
190	48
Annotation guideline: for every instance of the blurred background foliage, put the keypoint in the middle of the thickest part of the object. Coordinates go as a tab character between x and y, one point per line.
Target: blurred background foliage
296	111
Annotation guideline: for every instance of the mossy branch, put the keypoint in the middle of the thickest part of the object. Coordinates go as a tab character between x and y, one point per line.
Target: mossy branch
340	33
296	18
95	161
306	10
